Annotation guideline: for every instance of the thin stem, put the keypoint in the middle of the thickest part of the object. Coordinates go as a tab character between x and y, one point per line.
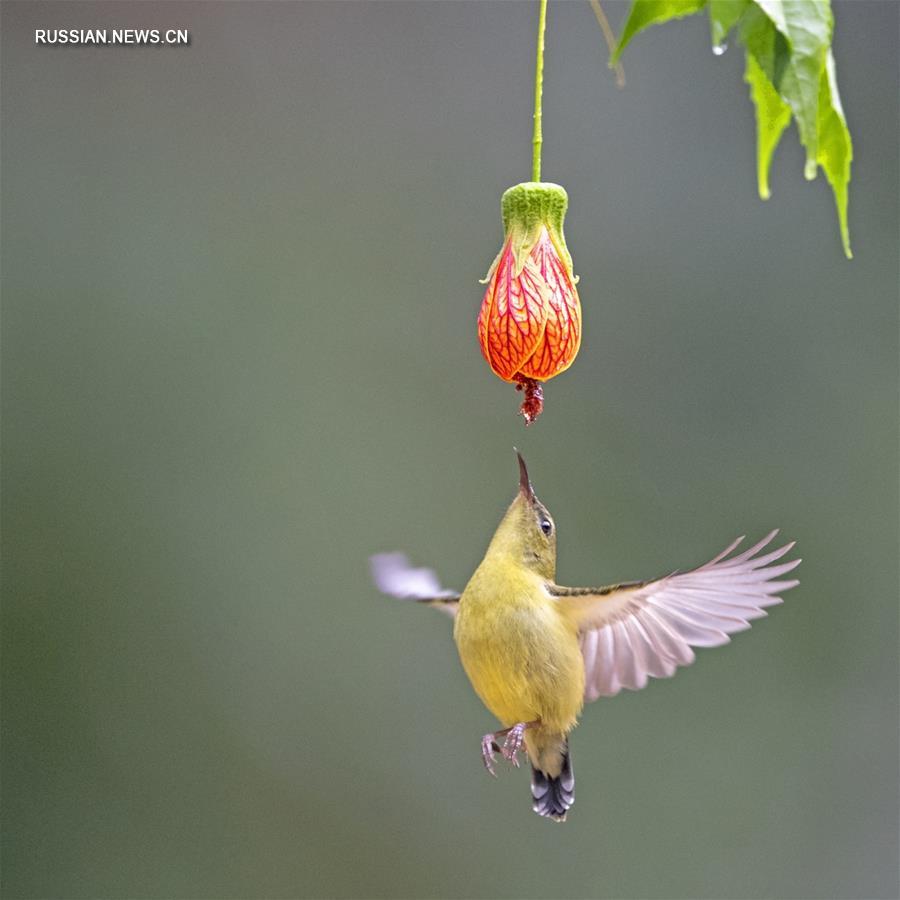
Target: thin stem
538	90
610	38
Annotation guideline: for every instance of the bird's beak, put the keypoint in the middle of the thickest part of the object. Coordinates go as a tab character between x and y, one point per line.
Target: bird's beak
524	482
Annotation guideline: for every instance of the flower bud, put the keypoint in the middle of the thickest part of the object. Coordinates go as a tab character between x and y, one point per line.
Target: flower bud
529	326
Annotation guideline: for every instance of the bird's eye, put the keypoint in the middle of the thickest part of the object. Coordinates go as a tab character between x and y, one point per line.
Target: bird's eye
546	526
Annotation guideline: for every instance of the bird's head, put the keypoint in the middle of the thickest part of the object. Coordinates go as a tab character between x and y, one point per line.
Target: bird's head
528	532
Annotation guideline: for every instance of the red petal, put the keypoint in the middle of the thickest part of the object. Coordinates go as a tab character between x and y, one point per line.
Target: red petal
562	335
513	315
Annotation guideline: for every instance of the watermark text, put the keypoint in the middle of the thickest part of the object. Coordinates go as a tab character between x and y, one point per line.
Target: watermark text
113	36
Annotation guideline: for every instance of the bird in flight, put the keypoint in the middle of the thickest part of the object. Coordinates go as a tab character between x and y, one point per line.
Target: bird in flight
535	651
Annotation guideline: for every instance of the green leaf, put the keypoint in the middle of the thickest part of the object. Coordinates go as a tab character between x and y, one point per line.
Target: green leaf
644	13
768	46
835	149
806	25
774	11
788	51
773	115
791	74
723	16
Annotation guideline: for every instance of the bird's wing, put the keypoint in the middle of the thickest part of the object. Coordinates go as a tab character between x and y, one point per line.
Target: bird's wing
630	632
394	576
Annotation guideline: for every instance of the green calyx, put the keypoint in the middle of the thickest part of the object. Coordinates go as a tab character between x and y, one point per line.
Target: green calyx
527	208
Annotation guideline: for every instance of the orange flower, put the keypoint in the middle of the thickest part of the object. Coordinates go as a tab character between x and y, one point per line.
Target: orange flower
529	326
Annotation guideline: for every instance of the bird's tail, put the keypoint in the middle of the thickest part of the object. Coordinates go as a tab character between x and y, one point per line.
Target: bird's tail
552	795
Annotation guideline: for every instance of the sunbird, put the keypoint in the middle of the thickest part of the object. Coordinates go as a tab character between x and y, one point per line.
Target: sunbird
536	652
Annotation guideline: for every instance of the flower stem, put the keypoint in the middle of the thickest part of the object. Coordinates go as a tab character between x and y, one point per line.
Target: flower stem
538	90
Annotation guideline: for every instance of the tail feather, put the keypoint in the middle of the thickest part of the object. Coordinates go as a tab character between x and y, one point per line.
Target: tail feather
553	796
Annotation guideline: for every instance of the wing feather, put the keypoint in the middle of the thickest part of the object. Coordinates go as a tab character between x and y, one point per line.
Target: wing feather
393	575
646	630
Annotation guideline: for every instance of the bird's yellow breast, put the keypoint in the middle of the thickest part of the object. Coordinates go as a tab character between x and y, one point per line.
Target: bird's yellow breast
522	657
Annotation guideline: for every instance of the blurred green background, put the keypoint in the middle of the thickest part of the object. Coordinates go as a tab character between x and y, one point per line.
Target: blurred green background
239	356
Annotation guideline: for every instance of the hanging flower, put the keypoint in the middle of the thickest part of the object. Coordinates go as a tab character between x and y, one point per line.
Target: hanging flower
529	326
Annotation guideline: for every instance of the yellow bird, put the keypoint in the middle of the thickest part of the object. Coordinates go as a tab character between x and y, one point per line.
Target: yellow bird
535	651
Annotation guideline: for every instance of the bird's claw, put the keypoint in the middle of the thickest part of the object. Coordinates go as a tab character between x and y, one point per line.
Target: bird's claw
513	744
488	746
515	738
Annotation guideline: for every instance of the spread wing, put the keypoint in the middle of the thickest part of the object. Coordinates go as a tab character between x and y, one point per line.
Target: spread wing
394	576
633	631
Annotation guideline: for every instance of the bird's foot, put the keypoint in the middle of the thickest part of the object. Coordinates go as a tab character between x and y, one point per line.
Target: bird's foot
515	737
488	748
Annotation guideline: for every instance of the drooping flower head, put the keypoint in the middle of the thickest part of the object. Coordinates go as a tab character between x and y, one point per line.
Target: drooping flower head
529	326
